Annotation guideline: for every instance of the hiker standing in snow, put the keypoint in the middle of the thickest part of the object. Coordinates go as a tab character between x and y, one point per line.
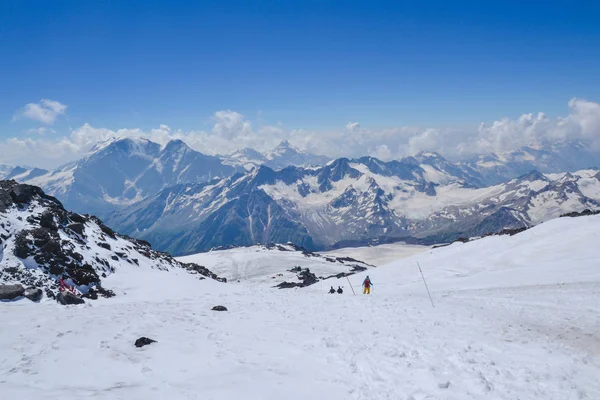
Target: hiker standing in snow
332	290
367	285
340	291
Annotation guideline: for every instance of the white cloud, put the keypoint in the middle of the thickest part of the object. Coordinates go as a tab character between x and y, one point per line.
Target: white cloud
232	131
41	130
45	111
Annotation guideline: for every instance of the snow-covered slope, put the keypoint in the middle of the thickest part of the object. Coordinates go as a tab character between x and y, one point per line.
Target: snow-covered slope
273	264
5	170
42	242
515	317
121	172
380	254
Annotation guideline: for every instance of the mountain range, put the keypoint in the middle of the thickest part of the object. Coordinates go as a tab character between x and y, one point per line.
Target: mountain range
350	202
121	172
184	201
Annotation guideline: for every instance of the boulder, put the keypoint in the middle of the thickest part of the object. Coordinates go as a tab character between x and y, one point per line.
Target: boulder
144	341
77	227
47	221
22	194
22	247
67	298
77	218
219	308
10	292
34	294
5	201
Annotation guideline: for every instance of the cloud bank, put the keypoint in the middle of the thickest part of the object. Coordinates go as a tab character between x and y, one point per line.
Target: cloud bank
232	131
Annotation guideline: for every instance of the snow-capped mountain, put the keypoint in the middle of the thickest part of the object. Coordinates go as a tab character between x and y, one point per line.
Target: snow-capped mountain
5	170
24	173
121	172
246	158
351	202
284	155
41	242
567	156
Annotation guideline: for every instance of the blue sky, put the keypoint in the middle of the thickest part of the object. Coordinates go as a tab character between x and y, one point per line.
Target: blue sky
307	64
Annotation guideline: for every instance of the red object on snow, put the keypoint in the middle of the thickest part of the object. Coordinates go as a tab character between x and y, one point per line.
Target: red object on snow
64	286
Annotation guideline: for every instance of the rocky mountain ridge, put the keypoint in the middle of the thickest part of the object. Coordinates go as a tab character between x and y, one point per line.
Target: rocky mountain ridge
42	243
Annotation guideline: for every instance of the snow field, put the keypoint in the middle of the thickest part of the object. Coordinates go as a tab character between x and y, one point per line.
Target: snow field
514	318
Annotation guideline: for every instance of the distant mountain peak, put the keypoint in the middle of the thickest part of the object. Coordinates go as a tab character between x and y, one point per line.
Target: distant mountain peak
176	144
533	176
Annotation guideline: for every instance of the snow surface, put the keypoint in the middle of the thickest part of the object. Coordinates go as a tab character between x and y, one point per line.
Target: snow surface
260	265
514	318
379	255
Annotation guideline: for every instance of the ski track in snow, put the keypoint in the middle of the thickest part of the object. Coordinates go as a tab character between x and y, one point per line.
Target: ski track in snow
495	332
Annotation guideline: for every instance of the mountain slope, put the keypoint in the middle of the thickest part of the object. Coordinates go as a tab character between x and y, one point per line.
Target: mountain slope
515	317
122	172
41	242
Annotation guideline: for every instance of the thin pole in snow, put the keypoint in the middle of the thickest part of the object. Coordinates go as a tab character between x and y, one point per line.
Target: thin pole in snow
351	285
422	276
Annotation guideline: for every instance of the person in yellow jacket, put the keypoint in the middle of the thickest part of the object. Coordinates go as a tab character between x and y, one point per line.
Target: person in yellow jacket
367	285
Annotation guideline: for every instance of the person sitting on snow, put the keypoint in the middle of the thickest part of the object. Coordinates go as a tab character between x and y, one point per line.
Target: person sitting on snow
340	291
367	285
332	290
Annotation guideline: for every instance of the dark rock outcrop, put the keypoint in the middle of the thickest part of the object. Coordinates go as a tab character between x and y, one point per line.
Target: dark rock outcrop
68	298
219	308
77	227
144	341
34	294
11	292
47	221
584	213
306	278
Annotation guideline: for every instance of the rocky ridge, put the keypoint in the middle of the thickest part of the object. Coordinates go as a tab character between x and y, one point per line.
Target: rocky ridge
42	242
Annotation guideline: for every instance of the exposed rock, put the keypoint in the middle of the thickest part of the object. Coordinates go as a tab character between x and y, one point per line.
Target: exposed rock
34	294
21	248
84	275
67	298
92	294
10	292
77	227
104	245
51	246
144	341
583	213
22	193
77	218
219	308
307	278
47	221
